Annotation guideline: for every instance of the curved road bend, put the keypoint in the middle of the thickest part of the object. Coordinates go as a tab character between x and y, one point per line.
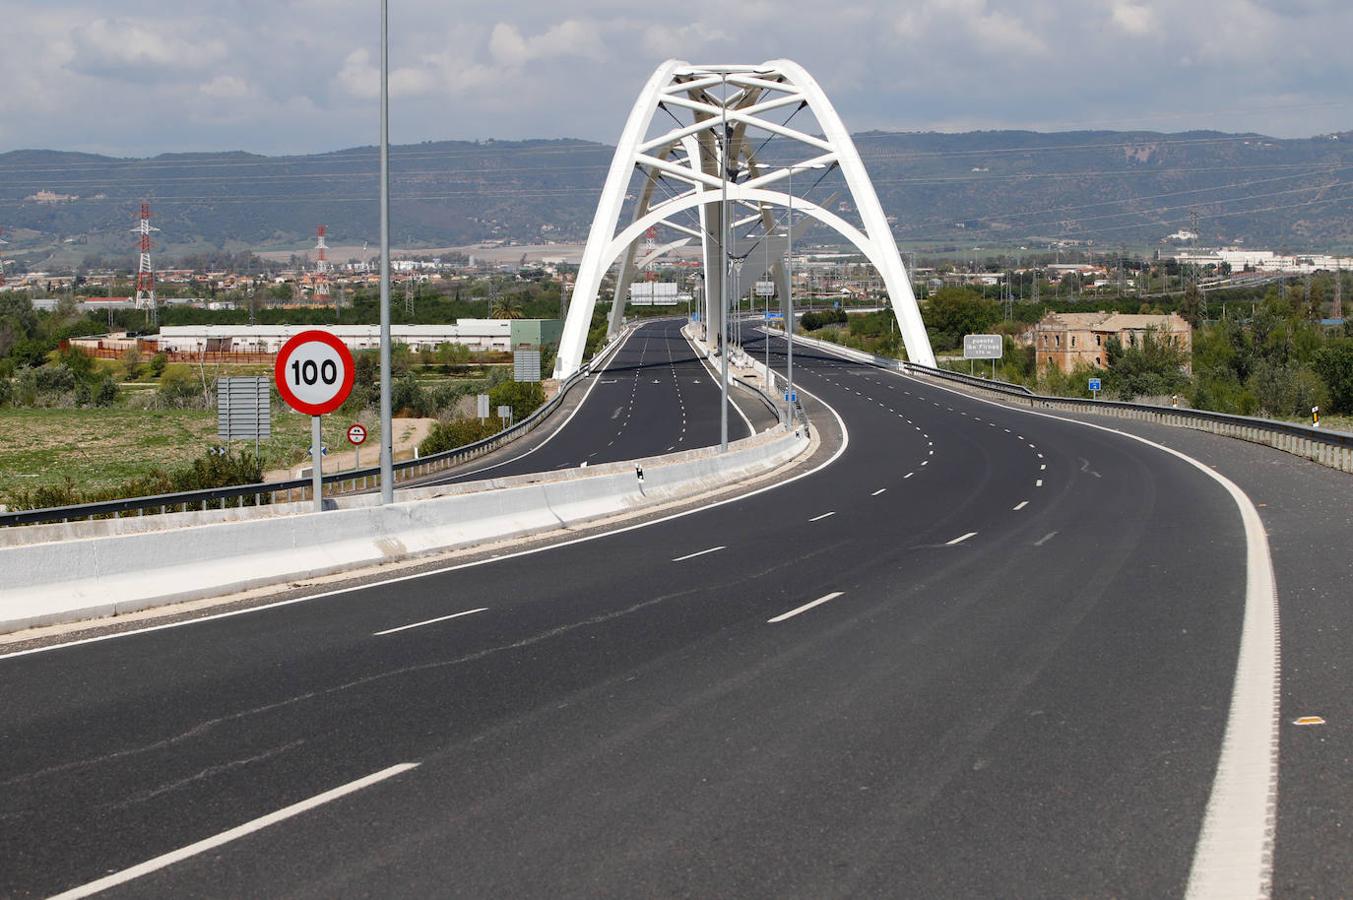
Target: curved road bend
653	396
981	653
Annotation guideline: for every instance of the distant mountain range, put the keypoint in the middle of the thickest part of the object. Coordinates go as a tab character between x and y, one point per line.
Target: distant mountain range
1004	188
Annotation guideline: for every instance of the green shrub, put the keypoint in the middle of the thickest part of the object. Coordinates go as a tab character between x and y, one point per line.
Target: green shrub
178	391
455	433
158	362
407	398
525	397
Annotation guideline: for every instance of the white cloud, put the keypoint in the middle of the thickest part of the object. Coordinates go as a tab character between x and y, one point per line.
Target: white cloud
107	46
508	47
226	87
302	75
1133	18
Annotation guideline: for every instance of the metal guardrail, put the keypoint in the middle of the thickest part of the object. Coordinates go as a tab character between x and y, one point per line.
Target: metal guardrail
1328	448
297	490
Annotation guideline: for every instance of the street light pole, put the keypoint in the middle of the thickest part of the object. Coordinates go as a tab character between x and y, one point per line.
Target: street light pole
387	429
723	278
789	306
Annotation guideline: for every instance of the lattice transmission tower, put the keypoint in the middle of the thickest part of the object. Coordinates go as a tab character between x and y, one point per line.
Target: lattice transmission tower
145	274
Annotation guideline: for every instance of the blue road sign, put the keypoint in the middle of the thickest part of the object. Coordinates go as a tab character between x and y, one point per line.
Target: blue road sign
695	317
775	315
791	398
1094	385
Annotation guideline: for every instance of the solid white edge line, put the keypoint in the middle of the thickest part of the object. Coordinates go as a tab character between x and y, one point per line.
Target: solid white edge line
1234	854
468	612
960	539
807	606
700	553
823	516
845	443
225	837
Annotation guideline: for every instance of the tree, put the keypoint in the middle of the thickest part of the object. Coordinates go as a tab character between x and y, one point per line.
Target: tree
131	363
1191	307
959	311
507	306
1334	365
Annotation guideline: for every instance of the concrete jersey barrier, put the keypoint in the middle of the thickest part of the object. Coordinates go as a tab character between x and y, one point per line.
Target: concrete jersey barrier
70	580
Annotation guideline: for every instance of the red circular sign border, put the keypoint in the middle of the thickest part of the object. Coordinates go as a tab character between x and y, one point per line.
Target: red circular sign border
364	434
280	366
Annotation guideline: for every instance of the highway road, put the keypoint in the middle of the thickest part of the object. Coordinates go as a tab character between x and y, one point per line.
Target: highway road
970	651
653	396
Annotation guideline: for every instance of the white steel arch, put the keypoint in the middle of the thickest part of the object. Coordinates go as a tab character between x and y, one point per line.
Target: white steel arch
690	155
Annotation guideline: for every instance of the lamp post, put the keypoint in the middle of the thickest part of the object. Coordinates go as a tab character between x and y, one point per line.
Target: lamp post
387	429
723	279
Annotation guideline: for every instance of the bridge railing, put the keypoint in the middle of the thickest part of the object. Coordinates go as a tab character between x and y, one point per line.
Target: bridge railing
1329	448
296	490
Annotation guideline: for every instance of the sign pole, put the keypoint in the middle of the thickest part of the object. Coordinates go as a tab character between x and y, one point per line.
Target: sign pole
387	447
317	462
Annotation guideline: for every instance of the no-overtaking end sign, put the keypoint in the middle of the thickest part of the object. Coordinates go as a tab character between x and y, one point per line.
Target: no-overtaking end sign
314	372
356	434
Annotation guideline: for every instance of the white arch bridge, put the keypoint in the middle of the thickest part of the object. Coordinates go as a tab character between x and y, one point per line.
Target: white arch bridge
702	128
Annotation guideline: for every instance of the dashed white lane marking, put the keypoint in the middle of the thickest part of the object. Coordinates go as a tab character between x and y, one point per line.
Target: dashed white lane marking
1020	505
225	837
1038	483
807	606
823	516
468	612
925	462
908	475
960	539
1042	467
879	491
1045	538
699	553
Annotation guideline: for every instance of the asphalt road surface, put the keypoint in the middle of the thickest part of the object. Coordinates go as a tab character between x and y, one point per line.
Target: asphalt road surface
979	653
653	396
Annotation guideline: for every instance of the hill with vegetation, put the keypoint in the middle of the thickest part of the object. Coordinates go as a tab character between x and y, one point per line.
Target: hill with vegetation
956	191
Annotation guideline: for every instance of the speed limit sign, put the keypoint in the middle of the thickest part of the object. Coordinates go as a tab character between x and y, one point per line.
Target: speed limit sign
314	372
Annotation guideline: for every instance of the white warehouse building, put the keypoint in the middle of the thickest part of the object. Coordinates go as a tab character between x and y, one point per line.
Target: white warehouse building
477	334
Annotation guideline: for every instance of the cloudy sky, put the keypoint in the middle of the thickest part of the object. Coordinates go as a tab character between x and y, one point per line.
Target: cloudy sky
278	76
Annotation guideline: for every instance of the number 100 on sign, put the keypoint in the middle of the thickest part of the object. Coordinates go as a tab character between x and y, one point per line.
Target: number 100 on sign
314	372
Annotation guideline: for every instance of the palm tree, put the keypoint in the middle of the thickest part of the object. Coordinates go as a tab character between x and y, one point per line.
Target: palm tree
506	307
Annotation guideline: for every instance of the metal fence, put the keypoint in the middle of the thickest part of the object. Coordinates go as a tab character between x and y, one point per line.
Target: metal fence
302	489
1328	448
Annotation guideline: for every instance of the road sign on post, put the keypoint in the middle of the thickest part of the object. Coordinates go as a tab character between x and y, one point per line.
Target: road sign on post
314	373
983	346
482	405
505	413
357	437
526	364
244	409
1095	387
